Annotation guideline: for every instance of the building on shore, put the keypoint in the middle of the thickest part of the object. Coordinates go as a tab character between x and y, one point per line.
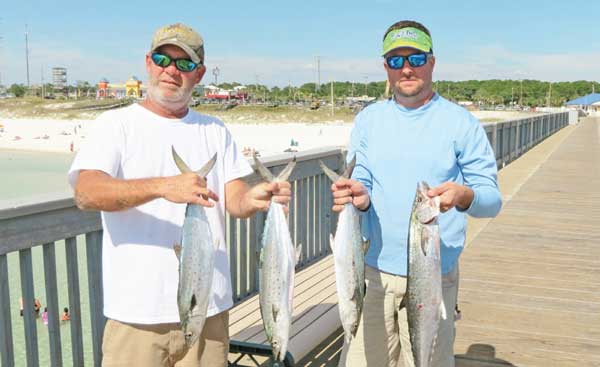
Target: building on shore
215	93
132	88
589	103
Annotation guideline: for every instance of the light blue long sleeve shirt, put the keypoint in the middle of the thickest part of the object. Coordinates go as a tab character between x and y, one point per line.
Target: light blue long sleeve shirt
395	148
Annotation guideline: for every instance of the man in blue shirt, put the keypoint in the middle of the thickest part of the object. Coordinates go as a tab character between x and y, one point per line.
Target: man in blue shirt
415	136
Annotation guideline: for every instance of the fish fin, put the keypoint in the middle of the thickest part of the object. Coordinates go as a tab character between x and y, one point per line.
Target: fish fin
366	246
355	295
260	258
179	162
287	171
298	253
202	172
329	172
424	236
177	249
275	312
443	314
331	242
193	302
262	170
349	168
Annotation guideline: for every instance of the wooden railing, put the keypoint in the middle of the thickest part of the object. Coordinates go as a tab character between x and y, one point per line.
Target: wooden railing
56	224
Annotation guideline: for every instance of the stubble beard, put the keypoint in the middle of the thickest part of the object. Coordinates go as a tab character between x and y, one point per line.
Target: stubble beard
408	93
175	101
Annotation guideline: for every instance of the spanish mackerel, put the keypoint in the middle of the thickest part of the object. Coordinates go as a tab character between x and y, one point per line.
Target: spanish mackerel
424	302
196	255
349	251
276	269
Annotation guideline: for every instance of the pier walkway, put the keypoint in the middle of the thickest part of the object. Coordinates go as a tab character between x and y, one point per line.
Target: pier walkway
530	278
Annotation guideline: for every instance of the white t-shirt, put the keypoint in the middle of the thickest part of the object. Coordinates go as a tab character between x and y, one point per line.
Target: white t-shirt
139	266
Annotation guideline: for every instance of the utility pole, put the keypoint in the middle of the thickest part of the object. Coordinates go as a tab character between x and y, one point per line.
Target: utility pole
512	95
318	69
42	70
27	55
521	97
332	97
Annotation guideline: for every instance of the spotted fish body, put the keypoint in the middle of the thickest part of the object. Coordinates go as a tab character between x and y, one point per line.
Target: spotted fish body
349	251
424	302
196	256
277	265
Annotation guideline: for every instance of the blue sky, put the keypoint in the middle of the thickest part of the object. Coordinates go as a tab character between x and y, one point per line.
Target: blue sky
275	43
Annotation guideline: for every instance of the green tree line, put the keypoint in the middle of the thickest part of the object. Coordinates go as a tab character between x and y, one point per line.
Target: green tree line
487	92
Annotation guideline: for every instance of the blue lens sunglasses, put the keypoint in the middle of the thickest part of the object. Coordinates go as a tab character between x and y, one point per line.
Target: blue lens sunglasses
185	65
414	60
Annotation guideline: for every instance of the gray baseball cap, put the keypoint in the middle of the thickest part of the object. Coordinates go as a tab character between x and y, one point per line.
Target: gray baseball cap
180	35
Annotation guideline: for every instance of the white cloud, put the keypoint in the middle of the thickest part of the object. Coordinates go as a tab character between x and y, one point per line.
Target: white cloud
496	62
492	62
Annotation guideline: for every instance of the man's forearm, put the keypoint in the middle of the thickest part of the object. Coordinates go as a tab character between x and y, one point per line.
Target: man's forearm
237	200
111	194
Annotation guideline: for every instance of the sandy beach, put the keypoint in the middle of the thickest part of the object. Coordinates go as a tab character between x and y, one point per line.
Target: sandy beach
268	138
56	135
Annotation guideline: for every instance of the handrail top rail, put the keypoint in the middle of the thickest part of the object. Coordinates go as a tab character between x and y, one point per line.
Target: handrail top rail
13	208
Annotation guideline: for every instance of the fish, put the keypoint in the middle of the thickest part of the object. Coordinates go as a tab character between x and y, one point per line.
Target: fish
196	256
349	251
423	300
278	259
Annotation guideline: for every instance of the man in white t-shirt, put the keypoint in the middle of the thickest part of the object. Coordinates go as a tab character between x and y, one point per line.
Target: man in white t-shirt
126	170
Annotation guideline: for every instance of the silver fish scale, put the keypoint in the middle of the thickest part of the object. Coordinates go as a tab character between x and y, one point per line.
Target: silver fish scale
276	280
424	285
348	252
196	268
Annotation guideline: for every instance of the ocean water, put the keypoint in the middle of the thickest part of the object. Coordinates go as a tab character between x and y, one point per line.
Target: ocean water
32	173
28	175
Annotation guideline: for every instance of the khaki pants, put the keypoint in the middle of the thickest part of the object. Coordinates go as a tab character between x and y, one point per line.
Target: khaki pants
163	344
382	338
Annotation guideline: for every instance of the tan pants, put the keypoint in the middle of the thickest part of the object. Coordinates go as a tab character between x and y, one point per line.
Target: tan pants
163	344
382	339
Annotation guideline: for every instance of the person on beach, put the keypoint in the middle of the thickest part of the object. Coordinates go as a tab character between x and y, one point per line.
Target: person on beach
65	316
125	169
45	316
416	135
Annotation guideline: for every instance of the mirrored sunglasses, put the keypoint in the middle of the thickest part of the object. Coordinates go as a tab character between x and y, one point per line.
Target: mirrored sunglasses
415	60
185	65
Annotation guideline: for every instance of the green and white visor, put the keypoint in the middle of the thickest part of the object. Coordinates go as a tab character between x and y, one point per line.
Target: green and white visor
407	37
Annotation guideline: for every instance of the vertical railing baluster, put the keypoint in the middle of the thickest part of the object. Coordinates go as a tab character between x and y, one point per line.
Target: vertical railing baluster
7	356
52	302
318	213
256	227
301	219
232	240
310	228
243	238
74	301
31	344
93	241
292	214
